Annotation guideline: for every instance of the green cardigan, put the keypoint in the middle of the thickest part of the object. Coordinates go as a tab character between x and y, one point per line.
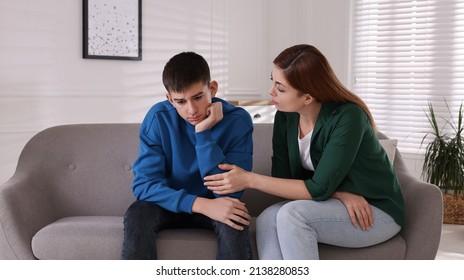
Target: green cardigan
346	155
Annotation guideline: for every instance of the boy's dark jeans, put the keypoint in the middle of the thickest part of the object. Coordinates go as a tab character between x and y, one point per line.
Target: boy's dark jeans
144	219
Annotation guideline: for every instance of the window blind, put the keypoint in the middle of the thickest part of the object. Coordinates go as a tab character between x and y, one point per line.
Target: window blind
407	53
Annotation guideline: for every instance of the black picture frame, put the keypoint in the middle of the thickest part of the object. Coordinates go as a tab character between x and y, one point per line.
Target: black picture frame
112	29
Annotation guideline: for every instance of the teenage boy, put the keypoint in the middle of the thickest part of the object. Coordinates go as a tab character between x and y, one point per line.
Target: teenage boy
182	140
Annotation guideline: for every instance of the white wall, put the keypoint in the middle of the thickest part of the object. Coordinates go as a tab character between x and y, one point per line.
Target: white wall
44	81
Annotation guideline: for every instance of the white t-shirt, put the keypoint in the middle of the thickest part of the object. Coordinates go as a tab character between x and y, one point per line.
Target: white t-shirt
305	144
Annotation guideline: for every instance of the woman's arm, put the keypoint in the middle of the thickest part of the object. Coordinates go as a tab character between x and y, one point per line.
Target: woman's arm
237	179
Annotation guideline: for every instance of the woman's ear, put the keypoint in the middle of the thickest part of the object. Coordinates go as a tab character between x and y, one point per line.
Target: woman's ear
308	99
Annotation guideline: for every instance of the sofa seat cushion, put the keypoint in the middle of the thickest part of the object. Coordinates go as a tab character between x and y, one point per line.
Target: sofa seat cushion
196	244
392	249
199	244
80	238
101	237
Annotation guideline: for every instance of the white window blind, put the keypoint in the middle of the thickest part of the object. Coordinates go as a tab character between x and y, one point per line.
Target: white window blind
406	53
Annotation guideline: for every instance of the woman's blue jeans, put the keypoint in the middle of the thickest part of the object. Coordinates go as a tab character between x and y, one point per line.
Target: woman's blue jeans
292	230
143	220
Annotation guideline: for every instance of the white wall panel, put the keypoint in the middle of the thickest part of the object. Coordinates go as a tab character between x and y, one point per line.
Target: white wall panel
32	114
23	117
11	145
44	81
328	22
246	48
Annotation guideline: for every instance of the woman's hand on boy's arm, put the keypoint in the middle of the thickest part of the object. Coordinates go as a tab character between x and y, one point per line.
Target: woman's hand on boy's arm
229	211
236	179
232	181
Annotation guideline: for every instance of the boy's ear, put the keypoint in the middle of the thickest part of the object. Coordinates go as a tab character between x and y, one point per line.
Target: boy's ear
168	97
213	87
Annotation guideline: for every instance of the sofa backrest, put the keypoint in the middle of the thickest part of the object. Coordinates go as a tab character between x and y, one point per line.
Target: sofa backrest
257	201
262	148
87	168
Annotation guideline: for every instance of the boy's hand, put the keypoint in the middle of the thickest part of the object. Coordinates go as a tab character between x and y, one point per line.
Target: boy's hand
227	210
215	115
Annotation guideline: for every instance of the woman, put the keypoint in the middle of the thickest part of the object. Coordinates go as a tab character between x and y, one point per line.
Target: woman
327	161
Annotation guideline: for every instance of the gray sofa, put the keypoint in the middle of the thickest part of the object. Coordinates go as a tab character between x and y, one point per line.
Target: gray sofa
71	188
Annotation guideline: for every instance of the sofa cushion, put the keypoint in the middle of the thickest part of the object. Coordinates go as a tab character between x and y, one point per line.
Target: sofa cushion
392	249
196	244
80	238
101	237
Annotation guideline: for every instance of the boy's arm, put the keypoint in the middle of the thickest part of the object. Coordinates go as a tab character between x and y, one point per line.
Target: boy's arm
150	182
229	211
237	151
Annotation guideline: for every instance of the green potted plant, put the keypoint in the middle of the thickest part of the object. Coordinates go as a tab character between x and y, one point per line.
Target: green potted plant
444	162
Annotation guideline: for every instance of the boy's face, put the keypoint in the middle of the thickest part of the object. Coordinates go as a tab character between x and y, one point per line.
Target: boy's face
192	104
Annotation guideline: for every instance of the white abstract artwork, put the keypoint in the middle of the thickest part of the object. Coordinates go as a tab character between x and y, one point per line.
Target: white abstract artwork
113	29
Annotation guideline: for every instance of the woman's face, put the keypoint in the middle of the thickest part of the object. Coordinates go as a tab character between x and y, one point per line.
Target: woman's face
284	97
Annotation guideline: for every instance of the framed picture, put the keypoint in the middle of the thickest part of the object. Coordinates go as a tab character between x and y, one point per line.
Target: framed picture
112	29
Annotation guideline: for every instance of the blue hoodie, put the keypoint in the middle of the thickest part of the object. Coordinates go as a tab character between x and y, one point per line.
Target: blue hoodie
173	159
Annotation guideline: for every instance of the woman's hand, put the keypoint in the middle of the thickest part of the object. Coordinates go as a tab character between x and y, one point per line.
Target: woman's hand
234	180
359	209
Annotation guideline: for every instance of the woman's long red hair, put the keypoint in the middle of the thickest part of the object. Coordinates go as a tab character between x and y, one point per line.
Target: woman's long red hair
308	71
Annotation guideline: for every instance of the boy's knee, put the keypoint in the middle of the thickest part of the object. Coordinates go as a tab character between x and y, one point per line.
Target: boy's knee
226	230
139	210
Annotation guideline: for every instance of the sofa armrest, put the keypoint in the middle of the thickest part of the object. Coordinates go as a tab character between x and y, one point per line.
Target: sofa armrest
424	214
25	207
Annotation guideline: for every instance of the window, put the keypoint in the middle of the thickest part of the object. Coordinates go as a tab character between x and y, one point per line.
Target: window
406	53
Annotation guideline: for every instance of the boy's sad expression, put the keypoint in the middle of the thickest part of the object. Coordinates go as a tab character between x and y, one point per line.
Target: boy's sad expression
193	103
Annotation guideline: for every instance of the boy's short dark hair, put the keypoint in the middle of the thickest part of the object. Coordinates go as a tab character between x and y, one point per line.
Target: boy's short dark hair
184	70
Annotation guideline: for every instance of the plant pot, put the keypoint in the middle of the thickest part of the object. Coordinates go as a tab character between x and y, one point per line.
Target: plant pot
453	209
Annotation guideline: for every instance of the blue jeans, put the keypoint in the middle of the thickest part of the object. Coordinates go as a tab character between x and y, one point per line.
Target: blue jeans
143	220
292	230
